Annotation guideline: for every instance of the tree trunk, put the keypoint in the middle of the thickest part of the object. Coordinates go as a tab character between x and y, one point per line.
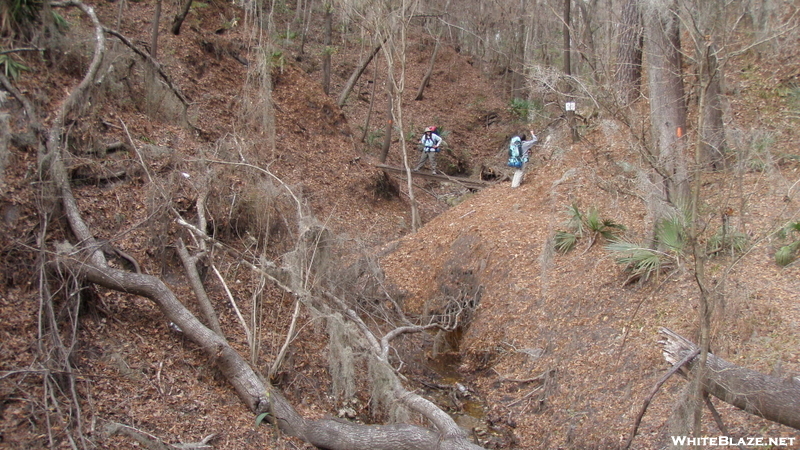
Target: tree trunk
667	102
5	138
298	12
261	397
712	133
351	82
427	78
177	22
629	53
371	106
569	112
387	135
154	34
763	395
588	49
306	25
567	38
327	50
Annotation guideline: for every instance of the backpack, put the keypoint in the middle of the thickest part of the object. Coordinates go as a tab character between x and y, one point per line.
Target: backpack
515	156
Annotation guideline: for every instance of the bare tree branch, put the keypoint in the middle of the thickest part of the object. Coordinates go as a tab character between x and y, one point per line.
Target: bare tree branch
190	267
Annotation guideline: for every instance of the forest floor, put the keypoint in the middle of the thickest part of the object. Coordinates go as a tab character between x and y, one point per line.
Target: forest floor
560	351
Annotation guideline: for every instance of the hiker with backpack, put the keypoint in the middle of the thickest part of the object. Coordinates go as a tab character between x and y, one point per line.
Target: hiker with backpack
519	148
430	143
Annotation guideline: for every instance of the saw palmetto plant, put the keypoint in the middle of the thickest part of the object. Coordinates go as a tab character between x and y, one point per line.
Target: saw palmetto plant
787	254
647	261
588	225
17	15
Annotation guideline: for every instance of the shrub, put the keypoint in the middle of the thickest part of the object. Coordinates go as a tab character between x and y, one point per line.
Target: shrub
580	225
522	108
10	67
733	241
17	16
787	254
644	262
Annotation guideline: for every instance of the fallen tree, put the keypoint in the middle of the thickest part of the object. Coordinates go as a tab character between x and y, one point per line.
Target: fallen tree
262	397
84	259
757	393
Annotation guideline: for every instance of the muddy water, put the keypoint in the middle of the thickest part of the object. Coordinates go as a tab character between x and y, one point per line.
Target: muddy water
455	396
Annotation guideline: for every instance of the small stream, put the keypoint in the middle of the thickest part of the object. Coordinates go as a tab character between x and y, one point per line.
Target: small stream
455	397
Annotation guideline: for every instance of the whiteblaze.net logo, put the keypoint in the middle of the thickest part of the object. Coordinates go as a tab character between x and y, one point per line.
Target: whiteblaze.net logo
727	441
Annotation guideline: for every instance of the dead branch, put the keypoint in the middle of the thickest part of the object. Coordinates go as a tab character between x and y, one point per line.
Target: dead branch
152	442
146	56
246	329
526	396
289	338
30	111
357	74
135	149
98	179
441	420
541	377
271	272
676	367
190	266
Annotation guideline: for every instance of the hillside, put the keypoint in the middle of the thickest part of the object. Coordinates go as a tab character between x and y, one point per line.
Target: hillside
573	319
560	351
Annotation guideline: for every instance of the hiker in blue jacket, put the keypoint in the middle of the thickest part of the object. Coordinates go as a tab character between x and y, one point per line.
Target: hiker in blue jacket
430	143
519	148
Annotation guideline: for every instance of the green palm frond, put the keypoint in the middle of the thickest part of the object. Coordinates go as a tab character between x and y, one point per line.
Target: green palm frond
59	20
604	227
18	15
10	67
610	229
739	242
593	221
671	232
575	221
638	259
564	241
